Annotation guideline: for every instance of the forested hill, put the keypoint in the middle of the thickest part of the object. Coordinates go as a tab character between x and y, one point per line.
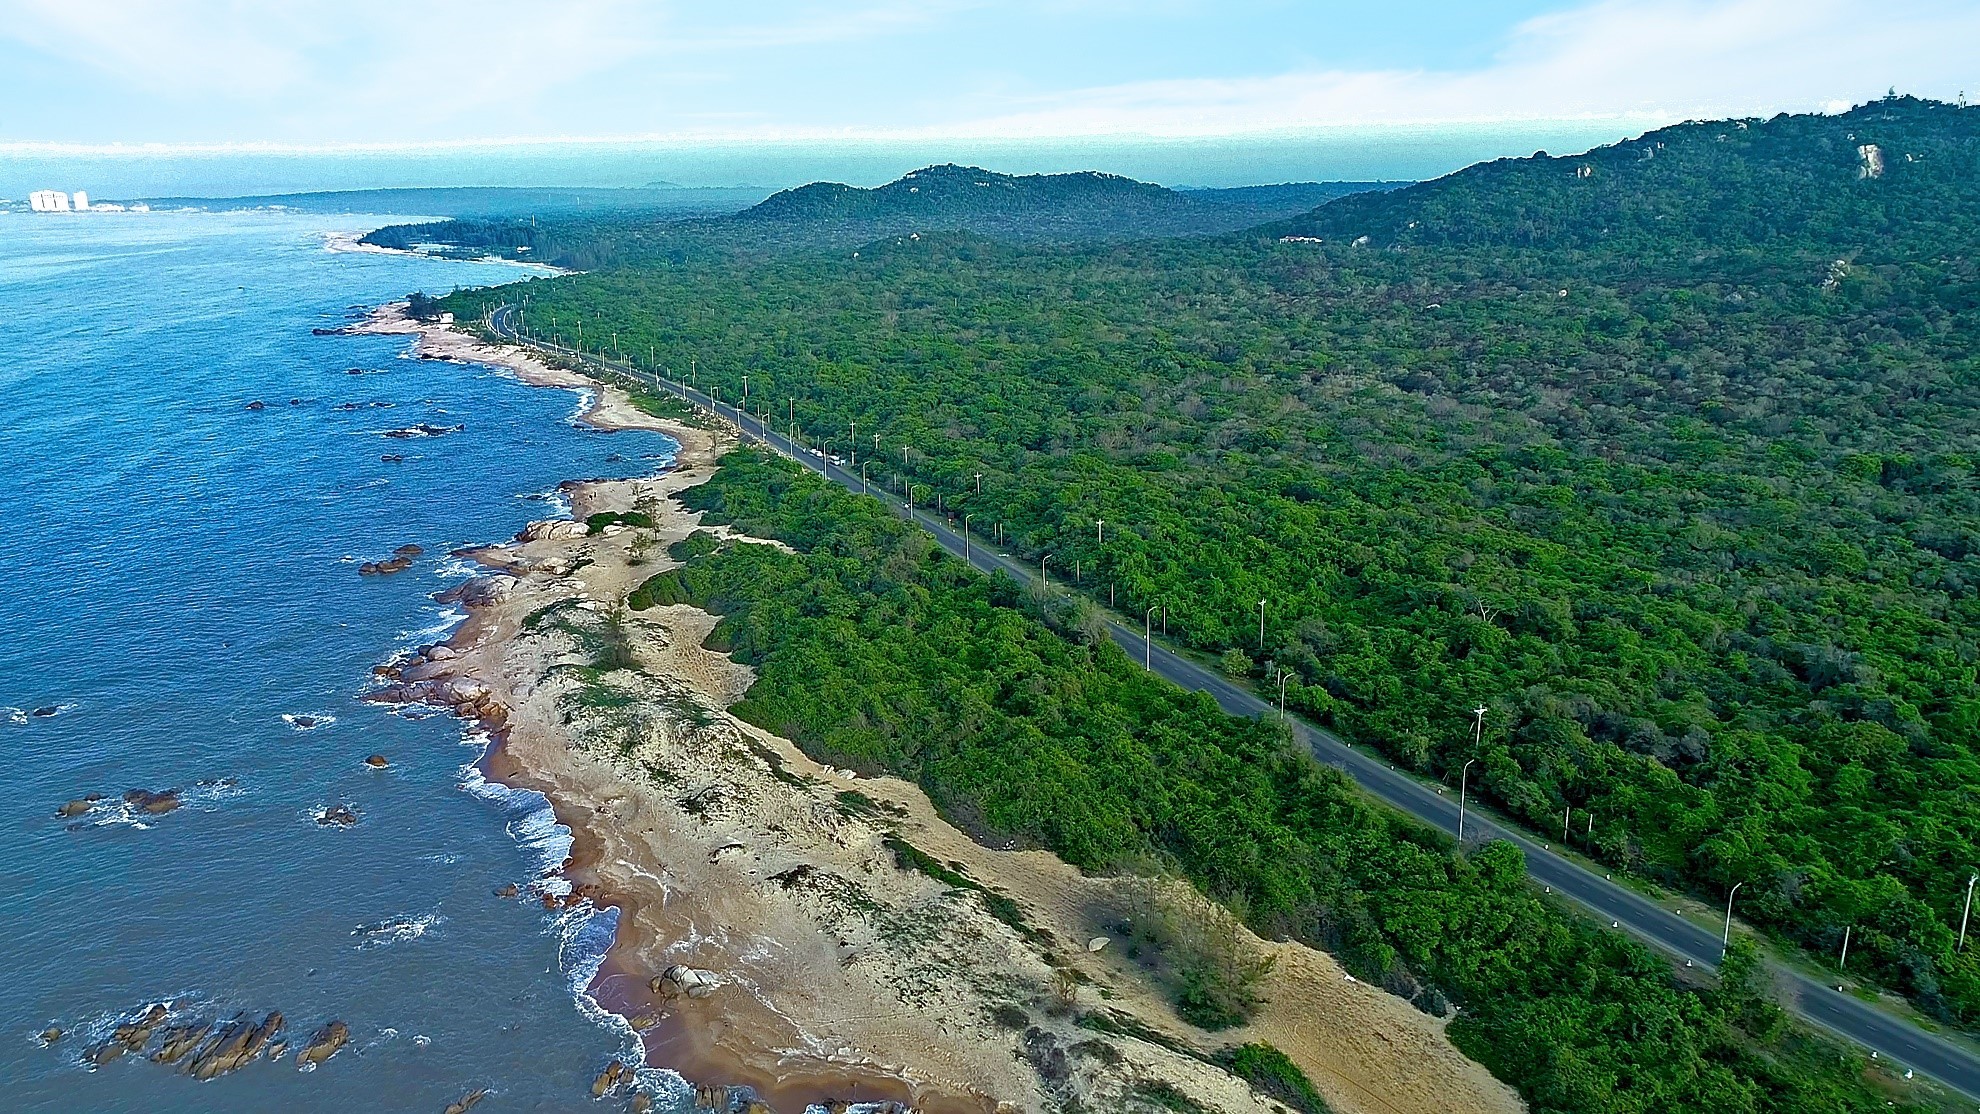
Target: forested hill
1895	169
1051	208
1035	207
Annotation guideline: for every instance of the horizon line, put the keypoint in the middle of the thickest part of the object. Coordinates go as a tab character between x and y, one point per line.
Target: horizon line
848	135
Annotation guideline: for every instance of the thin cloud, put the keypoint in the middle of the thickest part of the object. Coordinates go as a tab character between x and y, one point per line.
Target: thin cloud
1665	60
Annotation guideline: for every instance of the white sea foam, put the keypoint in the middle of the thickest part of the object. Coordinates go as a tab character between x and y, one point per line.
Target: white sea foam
444	622
585	932
394	930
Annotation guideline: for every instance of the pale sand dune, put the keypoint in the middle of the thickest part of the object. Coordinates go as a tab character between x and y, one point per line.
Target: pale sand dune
843	976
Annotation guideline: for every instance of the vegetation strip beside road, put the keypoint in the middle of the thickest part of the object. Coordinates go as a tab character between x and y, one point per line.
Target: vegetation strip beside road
1893	1040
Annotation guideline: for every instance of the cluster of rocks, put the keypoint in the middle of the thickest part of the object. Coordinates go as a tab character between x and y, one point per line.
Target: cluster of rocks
578	895
392	458
337	816
380	405
400	560
466	1102
719	1098
553	529
143	800
423	429
205	1048
424	681
609	1079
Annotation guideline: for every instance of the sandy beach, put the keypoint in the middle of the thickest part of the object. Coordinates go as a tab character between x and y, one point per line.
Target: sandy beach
769	935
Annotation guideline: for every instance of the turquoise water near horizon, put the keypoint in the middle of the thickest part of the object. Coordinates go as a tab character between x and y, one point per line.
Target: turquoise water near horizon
1365	153
182	608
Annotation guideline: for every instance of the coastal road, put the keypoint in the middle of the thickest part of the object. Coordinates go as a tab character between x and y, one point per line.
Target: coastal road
1693	942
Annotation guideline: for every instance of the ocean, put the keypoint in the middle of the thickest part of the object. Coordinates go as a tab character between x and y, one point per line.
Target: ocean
182	610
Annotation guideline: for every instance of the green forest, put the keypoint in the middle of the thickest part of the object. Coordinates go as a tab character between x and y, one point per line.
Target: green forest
1665	454
876	650
1045	208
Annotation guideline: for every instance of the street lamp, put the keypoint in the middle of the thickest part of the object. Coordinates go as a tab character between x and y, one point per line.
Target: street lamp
1464	783
1968	911
1148	639
1261	628
1041	571
966	519
1725	942
1284	674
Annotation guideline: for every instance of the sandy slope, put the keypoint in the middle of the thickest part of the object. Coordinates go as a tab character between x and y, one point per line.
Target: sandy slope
841	975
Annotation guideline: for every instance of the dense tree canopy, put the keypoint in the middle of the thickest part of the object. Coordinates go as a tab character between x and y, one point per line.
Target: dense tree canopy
1672	464
876	650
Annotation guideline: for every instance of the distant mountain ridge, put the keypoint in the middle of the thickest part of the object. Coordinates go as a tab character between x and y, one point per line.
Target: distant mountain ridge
1083	205
1086	206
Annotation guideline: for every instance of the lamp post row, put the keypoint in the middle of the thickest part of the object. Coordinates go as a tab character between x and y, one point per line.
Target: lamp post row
1148	662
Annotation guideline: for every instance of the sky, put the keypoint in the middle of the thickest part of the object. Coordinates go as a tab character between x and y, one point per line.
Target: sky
308	73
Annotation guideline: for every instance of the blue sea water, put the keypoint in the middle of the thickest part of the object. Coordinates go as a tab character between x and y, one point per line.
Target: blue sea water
180	576
1345	153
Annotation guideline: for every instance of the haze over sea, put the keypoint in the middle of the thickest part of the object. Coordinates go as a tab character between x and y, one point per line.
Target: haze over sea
1371	153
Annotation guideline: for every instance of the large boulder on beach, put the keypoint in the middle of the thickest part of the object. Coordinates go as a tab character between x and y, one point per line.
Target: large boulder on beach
555	529
680	979
480	591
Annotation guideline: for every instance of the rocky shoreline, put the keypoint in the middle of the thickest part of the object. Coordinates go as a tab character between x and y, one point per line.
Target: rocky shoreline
775	945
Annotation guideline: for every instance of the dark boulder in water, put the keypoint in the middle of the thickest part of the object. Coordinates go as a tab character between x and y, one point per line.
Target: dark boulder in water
608	1079
257	404
466	1102
324	1044
79	806
46	711
155	803
377	761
